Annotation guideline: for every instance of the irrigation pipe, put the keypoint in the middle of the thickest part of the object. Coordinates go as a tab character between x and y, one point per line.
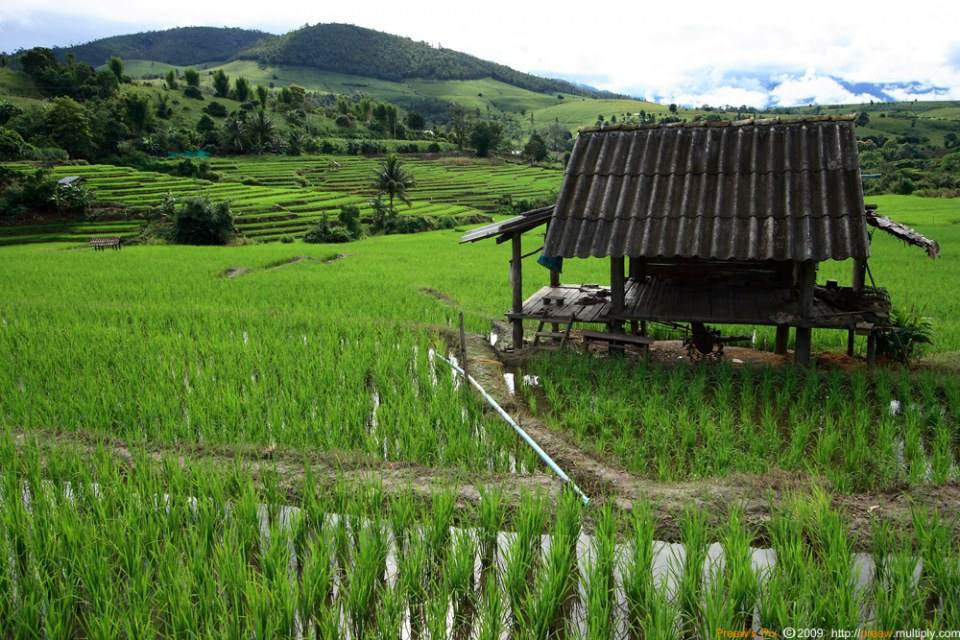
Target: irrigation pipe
516	427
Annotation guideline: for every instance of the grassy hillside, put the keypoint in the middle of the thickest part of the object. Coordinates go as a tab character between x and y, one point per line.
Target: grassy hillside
184	45
344	48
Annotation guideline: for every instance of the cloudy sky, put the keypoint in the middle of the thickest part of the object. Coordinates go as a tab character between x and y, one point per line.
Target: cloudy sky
691	52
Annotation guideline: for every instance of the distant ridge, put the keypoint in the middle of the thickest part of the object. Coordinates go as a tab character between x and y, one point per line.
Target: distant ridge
344	48
179	46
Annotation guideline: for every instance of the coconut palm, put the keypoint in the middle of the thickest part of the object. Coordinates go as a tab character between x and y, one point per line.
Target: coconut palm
392	180
262	131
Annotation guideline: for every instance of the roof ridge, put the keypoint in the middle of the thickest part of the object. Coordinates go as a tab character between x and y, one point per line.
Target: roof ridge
605	128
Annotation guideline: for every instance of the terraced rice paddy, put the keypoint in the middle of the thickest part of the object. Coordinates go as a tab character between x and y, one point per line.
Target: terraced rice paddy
255	441
150	548
285	196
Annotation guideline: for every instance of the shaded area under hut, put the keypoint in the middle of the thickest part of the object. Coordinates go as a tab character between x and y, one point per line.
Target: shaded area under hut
719	222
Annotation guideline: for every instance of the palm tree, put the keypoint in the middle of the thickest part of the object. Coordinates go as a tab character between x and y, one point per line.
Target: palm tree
392	179
234	133
262	131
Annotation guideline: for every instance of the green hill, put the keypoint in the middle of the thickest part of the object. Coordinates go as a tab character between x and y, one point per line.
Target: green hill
180	46
347	49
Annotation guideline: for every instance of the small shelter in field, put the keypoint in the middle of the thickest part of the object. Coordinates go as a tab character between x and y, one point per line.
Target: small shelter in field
708	222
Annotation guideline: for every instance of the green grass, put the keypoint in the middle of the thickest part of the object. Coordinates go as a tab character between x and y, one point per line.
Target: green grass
93	547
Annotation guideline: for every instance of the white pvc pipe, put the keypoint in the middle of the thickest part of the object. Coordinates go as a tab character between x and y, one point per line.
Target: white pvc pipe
523	434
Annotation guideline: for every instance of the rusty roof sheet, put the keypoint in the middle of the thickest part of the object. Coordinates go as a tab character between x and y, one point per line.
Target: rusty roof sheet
754	190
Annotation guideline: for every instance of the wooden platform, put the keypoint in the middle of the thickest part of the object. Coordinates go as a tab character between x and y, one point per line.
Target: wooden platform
661	300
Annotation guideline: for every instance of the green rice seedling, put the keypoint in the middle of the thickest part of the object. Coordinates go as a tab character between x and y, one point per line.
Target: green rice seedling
316	588
638	583
739	578
437	531
600	596
491	517
458	575
281	585
897	599
940	577
550	597
522	556
390	615
694	533
491	617
437	609
364	581
412	580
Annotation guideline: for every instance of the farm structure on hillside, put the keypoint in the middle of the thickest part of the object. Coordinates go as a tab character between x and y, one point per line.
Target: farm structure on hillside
708	222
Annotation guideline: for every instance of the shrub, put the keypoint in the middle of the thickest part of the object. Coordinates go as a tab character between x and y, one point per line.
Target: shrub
327	232
909	332
193	92
344	121
200	222
286	239
433	148
73	199
11	144
216	109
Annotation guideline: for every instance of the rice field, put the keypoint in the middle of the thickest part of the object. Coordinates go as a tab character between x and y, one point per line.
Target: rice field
309	369
94	547
858	432
279	196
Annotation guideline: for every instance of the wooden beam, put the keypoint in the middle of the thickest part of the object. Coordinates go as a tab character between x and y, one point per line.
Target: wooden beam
872	349
516	281
806	281
858	279
851	337
802	349
783	338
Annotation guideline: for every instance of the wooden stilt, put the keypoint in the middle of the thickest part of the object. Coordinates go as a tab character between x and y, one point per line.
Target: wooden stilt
516	280
617	295
783	338
802	348
871	349
851	340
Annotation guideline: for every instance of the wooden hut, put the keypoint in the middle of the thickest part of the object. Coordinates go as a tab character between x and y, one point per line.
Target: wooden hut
715	222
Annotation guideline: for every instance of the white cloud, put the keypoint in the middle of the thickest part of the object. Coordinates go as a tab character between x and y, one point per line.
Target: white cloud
651	49
813	88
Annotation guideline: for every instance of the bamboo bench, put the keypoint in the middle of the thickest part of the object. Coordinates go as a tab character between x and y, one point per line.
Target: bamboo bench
621	339
101	244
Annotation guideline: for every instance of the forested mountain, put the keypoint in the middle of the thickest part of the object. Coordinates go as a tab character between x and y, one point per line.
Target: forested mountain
180	46
344	48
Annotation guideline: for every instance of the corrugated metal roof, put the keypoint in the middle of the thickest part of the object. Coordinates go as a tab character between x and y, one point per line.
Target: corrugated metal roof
523	222
754	190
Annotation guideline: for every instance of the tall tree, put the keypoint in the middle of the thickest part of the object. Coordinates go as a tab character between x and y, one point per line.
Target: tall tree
192	76
486	137
69	126
393	180
241	89
171	79
221	83
116	67
262	131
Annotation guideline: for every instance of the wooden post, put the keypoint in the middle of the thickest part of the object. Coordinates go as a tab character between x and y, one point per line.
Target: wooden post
851	337
555	282
516	280
859	277
802	349
871	349
806	281
463	347
617	293
783	337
